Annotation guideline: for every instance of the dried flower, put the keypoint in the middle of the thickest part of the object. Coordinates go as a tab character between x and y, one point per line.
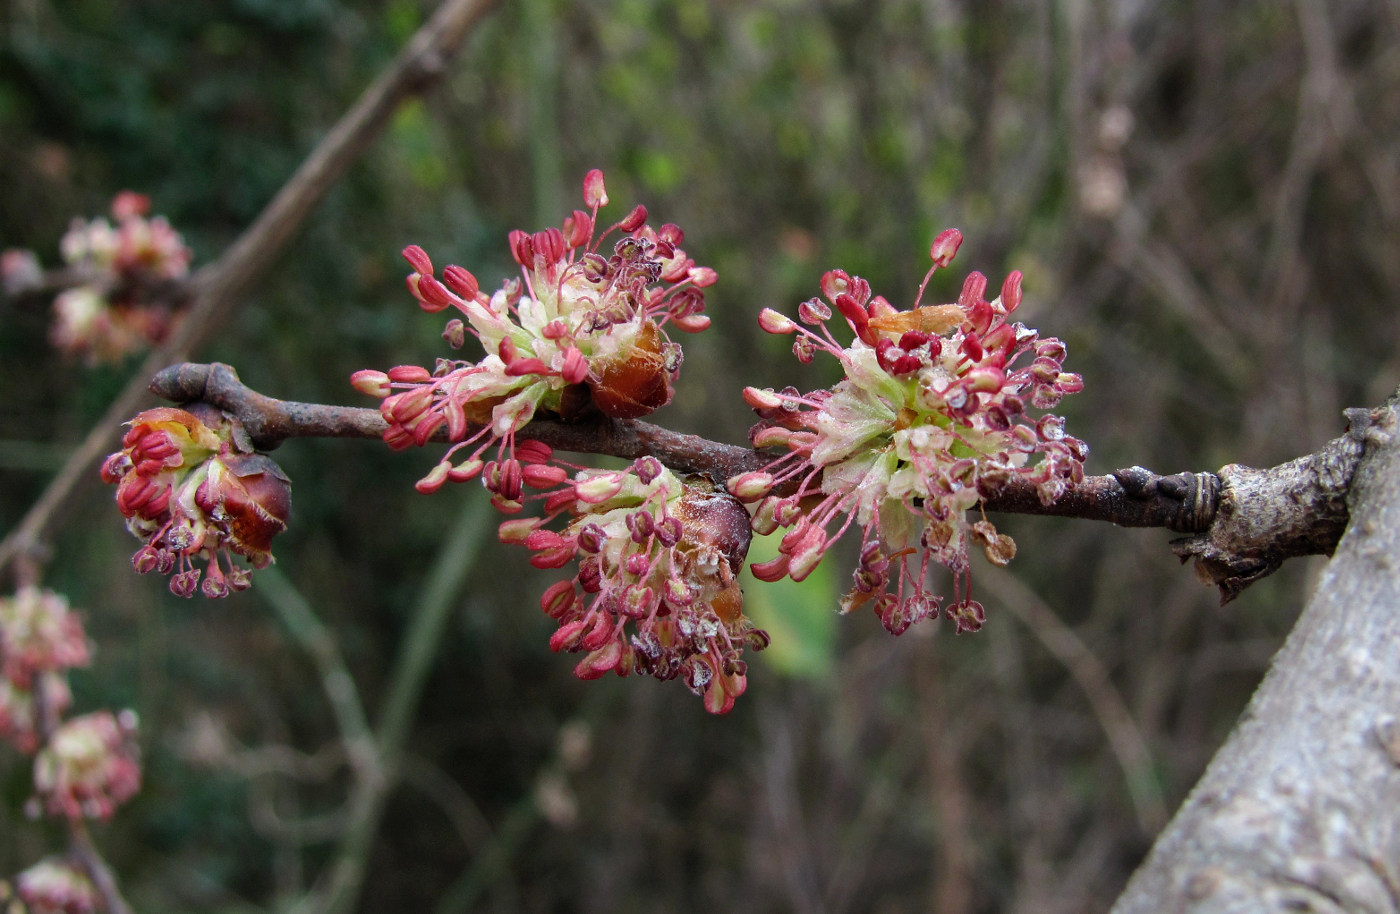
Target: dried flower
929	420
56	885
89	766
193	489
655	591
38	633
579	331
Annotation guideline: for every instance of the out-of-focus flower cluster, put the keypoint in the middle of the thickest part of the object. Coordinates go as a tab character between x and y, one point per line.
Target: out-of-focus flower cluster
84	767
105	317
89	766
193	489
57	885
656	589
930	419
41	638
582	331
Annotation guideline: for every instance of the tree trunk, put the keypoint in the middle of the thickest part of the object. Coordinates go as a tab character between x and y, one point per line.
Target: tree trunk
1300	810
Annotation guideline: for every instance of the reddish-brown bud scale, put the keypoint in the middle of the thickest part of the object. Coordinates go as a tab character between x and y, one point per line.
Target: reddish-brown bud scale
636	382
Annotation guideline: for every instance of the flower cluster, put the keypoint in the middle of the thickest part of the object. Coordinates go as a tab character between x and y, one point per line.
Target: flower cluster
89	766
39	634
104	319
85	766
56	885
192	488
40	639
929	420
655	590
580	334
580	331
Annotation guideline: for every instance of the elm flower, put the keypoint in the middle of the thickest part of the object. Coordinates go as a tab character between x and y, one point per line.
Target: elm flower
89	766
135	245
581	331
104	319
929	420
56	885
656	589
192	488
19	708
38	634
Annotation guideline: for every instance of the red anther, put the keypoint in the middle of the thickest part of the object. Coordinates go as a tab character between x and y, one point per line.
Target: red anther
578	228
913	339
461	281
414	374
855	315
558	501
770	571
635	219
703	277
418	259
1011	291
521	367
945	246
691	323
974	289
522	249
595	195
432	295
531	451
549	244
540	476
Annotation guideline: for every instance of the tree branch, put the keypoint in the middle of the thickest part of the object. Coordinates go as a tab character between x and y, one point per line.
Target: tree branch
1245	522
1296	810
218	287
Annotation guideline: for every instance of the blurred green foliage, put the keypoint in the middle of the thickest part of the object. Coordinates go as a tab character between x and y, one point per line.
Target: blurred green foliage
1210	232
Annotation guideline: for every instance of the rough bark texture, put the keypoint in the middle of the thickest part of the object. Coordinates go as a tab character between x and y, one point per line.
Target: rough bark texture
1300	811
1264	517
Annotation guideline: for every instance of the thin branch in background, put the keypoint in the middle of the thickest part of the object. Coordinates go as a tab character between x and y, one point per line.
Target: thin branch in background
1124	736
321	645
423	639
220	286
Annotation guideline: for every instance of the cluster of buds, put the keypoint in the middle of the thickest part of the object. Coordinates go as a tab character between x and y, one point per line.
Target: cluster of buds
106	316
89	766
57	885
193	489
579	332
41	638
929	420
656	589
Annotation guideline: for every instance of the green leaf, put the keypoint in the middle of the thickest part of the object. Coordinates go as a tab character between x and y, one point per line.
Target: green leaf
800	617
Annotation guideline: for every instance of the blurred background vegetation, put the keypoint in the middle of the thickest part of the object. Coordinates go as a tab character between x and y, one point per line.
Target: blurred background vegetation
1203	197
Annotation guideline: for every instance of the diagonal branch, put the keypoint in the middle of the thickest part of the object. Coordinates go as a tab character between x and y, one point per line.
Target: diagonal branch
220	286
